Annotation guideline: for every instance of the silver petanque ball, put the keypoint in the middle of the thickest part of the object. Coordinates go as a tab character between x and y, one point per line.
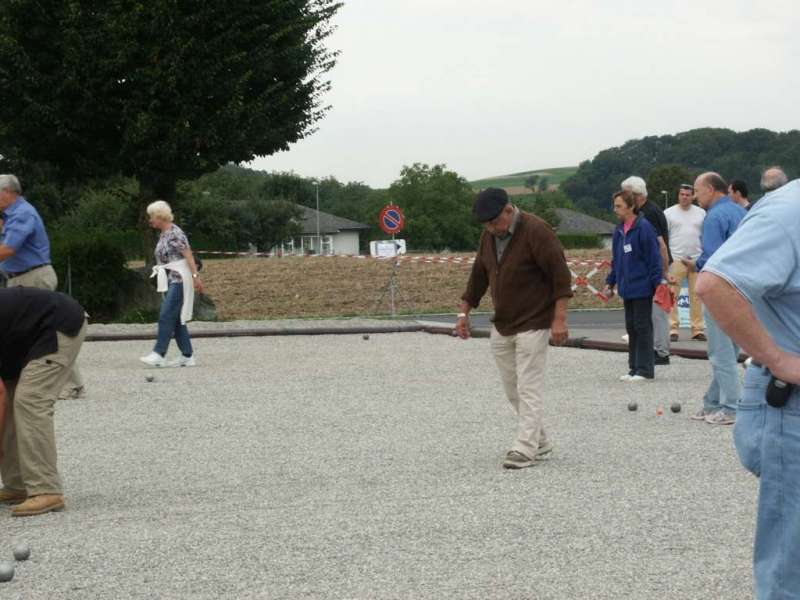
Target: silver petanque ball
6	571
22	552
149	378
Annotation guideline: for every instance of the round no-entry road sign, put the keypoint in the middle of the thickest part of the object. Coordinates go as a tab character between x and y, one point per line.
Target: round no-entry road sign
392	219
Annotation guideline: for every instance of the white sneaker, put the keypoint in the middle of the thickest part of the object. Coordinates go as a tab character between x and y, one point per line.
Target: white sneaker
626	377
721	417
154	359
625	338
183	361
637	378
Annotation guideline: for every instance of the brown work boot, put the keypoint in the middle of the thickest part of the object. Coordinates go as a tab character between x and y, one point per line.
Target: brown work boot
38	505
9	496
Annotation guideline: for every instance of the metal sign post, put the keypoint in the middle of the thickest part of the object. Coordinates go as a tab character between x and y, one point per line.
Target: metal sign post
393	282
392	221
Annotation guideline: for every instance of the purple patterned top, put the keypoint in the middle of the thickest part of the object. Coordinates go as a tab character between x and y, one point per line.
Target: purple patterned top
169	248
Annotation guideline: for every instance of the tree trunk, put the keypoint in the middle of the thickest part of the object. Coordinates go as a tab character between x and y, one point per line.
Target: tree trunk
152	188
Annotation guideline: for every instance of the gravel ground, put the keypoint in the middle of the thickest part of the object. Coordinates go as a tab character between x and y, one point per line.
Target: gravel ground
334	467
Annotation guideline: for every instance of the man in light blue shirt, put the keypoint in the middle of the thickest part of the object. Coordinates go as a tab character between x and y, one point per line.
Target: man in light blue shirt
24	246
722	218
25	255
751	285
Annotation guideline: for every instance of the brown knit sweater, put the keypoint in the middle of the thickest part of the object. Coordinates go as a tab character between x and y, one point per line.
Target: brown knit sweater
525	284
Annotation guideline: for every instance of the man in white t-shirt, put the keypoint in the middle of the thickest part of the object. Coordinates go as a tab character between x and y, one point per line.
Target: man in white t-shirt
685	221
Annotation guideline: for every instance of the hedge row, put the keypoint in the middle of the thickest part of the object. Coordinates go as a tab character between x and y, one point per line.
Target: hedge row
94	265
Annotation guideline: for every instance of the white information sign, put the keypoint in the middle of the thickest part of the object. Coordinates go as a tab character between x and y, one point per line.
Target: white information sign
387	248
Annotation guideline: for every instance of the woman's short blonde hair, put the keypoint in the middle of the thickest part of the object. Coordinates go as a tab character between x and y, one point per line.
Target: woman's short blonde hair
161	210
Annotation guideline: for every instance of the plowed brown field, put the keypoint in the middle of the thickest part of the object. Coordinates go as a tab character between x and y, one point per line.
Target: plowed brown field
276	288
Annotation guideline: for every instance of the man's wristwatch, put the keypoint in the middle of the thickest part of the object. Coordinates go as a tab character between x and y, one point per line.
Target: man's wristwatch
462	315
195	275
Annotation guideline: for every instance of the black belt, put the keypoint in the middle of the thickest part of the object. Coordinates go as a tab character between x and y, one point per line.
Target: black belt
12	275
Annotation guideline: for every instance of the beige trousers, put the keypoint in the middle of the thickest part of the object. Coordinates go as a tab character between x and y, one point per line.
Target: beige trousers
29	443
680	272
521	359
45	278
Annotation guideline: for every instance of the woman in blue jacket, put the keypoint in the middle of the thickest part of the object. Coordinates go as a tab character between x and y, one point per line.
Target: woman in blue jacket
636	272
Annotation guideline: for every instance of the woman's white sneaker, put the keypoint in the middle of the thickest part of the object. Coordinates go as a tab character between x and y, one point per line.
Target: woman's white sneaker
154	359
183	361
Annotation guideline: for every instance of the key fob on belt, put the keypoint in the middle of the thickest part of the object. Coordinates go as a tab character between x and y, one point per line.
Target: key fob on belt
778	392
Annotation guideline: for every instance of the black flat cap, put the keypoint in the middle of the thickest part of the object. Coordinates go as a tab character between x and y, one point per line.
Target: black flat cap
490	204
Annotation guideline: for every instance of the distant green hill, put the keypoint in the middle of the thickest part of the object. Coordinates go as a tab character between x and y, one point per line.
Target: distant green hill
554	177
734	155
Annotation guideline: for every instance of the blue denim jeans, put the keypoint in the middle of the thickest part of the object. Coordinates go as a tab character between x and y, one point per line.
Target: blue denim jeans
725	390
768	443
169	322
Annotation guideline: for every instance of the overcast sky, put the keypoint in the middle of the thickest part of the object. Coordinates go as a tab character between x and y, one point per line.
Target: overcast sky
497	86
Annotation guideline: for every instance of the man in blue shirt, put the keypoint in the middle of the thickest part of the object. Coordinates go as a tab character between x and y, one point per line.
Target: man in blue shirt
722	218
752	287
24	246
25	254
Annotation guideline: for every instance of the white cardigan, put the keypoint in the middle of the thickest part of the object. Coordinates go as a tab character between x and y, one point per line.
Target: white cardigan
162	285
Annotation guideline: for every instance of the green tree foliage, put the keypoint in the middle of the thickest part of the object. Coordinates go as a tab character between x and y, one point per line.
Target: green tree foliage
546	210
230	209
437	204
292	187
666	178
100	207
270	221
530	182
543	205
544	184
42	187
734	155
159	90
211	220
438	208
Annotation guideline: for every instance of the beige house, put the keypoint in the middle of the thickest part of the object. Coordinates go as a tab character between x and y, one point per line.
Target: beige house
337	236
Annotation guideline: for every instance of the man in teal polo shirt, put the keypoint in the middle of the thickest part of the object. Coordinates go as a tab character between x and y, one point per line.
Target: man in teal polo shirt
751	286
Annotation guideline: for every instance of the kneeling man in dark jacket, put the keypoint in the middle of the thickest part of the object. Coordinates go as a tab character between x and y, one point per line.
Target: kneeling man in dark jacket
41	333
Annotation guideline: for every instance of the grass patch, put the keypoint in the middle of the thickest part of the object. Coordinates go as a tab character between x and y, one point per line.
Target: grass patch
555	176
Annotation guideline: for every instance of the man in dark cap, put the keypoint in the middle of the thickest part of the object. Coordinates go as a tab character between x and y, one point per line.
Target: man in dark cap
41	333
521	260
